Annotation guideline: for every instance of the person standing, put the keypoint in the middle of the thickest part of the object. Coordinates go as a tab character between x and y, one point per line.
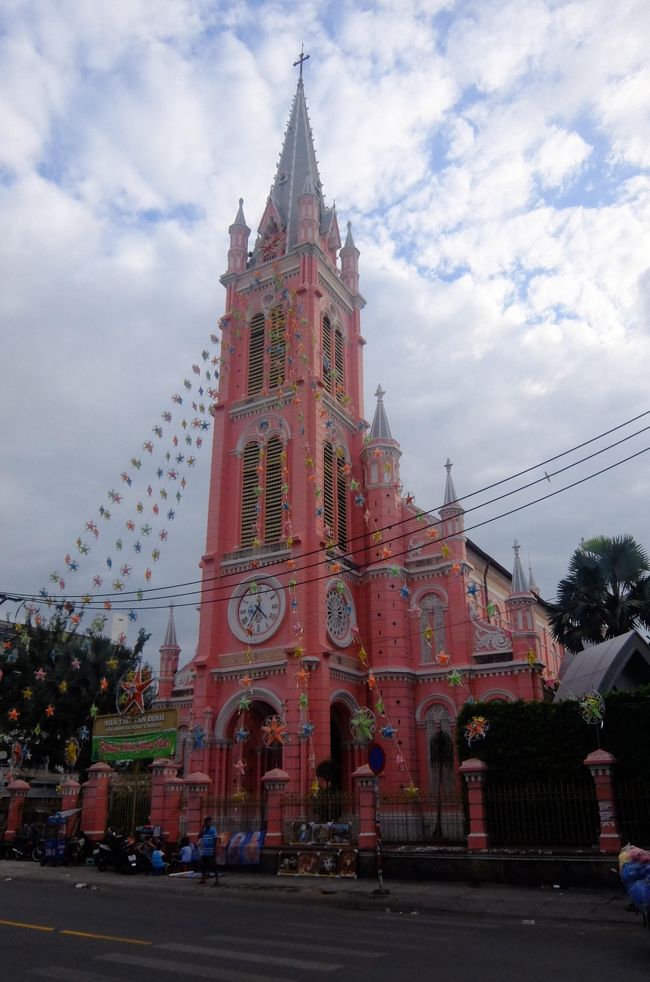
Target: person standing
207	843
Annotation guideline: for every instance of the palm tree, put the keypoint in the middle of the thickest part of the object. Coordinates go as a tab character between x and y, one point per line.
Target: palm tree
606	592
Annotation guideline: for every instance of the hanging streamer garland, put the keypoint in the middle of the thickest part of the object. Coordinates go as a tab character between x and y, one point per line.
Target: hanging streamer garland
183	430
592	708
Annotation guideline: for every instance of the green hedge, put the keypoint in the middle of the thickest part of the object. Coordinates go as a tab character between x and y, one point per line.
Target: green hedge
548	741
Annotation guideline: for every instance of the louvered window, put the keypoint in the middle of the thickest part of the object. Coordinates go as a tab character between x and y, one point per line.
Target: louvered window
256	355
277	348
273	496
327	353
335	495
328	486
342	504
250	494
339	380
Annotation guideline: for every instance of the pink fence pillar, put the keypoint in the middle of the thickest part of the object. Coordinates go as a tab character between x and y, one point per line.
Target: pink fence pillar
198	785
601	765
366	788
94	808
17	793
275	783
474	772
173	805
69	803
161	771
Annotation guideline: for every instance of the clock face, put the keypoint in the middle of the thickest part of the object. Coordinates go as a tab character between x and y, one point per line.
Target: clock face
340	616
256	610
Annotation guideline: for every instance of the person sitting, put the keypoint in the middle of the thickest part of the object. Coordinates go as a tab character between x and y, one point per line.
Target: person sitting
158	863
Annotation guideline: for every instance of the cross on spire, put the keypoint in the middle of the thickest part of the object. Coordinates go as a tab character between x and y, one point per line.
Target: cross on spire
303	58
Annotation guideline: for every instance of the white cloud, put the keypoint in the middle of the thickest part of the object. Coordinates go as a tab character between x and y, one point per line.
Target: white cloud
491	156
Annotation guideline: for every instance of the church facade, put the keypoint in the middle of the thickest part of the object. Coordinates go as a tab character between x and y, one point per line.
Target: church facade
334	611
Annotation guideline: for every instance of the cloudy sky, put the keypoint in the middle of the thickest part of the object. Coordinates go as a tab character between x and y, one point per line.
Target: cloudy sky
493	158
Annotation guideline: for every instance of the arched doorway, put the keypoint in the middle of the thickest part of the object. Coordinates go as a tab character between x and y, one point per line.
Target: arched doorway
251	755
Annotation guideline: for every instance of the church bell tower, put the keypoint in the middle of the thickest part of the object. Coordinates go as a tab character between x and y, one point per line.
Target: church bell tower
280	574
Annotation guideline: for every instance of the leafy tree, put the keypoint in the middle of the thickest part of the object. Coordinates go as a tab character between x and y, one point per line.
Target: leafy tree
606	593
53	682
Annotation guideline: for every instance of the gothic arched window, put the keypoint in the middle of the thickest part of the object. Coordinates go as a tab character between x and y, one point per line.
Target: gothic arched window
273	491
440	745
261	503
333	360
249	528
267	351
335	495
256	355
432	627
277	347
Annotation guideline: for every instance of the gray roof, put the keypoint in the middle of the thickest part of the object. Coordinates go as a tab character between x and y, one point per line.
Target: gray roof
380	430
297	171
170	634
451	498
621	663
519	581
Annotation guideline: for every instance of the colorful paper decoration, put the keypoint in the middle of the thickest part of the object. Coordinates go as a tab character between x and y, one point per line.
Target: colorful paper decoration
476	729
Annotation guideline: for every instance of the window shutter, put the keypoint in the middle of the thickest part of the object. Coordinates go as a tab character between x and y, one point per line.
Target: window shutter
256	355
250	497
339	378
327	353
328	485
273	501
342	505
277	348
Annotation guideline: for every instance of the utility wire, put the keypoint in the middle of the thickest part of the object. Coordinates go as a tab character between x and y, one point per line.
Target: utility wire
201	601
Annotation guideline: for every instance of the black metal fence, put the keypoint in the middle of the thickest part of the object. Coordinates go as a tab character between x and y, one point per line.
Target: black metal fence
551	816
236	813
633	805
323	808
425	819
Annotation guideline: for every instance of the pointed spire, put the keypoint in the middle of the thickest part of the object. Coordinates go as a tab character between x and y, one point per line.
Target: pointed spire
349	241
380	430
297	163
170	634
239	217
519	584
451	498
532	585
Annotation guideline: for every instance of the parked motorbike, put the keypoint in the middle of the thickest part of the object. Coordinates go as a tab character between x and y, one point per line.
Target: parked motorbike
26	845
80	848
117	852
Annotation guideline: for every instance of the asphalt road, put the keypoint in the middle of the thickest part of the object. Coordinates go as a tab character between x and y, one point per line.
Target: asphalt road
54	931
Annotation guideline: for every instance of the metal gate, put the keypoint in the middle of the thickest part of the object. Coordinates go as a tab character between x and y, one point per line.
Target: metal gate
130	802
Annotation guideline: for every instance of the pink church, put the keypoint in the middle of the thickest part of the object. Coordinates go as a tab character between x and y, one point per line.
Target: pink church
334	613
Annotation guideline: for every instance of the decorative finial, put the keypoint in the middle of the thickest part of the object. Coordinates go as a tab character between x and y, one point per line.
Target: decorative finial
303	58
516	547
379	394
448	465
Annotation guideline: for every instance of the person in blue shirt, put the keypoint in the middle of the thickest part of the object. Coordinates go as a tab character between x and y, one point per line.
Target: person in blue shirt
207	844
158	859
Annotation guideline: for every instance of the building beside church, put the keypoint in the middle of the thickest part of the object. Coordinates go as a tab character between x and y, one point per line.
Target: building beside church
334	611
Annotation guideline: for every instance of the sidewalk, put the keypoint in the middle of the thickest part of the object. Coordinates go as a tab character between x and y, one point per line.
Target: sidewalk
525	904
